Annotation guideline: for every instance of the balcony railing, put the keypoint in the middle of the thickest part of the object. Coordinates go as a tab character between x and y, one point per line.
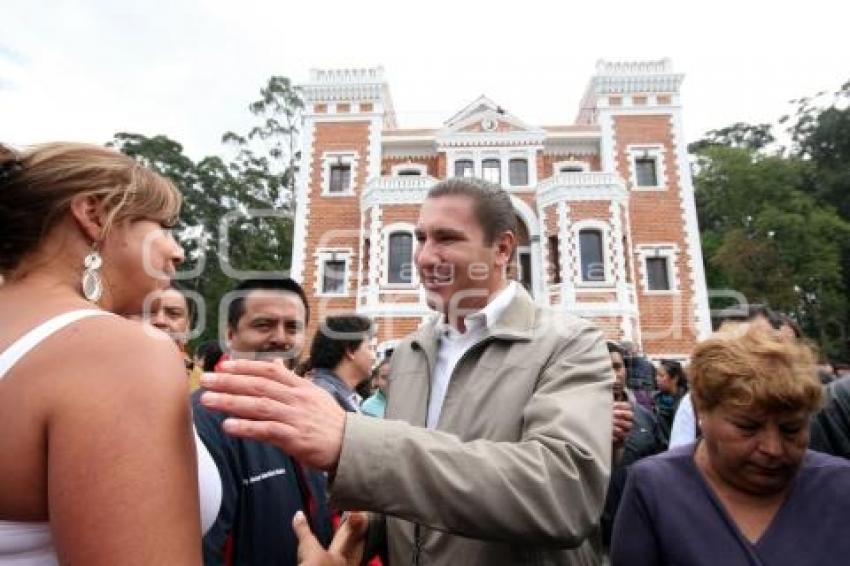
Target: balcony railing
404	189
580	186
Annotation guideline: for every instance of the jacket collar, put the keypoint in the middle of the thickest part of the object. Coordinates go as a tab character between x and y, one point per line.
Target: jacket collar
515	323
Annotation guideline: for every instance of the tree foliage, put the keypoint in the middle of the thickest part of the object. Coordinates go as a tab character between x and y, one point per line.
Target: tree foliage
775	225
243	206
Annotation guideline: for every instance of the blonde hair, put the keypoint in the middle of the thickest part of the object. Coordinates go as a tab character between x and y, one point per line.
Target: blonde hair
748	366
38	184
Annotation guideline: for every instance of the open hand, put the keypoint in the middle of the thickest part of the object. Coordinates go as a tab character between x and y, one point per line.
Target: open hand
269	403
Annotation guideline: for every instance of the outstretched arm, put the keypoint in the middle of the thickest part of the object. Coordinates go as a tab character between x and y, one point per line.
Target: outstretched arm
552	480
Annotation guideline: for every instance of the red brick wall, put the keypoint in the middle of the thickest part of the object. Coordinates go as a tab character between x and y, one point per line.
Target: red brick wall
334	214
656	216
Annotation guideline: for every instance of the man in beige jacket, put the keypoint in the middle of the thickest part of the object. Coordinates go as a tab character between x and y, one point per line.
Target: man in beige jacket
497	444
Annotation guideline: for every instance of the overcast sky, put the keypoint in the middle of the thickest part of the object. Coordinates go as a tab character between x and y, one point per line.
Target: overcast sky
83	70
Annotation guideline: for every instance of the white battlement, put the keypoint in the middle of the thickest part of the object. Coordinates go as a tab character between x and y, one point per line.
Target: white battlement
661	66
369	75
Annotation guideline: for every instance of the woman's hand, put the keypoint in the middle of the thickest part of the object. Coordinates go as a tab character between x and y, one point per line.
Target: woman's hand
346	547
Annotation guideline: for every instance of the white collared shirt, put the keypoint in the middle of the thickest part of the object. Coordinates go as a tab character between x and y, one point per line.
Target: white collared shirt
454	344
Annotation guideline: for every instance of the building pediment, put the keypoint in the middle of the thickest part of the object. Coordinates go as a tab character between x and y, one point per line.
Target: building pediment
485	123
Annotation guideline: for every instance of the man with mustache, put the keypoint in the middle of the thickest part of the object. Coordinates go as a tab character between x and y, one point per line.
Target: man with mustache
496	448
262	487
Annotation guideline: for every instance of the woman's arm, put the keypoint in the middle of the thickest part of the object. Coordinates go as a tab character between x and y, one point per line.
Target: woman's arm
633	542
122	477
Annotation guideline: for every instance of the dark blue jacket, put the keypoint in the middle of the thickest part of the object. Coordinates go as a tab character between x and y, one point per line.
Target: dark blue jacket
261	492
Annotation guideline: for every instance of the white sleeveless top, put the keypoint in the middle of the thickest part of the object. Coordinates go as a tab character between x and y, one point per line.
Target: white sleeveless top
30	543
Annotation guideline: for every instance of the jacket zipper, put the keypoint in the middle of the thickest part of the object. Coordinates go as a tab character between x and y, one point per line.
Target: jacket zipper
417	530
417	545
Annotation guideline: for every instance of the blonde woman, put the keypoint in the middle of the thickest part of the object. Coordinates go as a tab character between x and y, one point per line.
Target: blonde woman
99	462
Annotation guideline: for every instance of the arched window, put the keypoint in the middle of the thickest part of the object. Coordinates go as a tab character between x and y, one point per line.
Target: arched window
592	255
400	258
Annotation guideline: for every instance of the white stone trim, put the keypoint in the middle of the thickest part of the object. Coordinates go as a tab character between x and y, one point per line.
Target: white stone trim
322	255
567	261
396	190
695	265
409	166
329	158
616	210
556	167
581	187
532	223
504	154
657	153
607	143
386	232
302	201
374	256
608	269
374	165
670	252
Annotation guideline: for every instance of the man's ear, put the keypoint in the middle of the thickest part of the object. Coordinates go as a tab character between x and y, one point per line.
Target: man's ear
88	212
504	247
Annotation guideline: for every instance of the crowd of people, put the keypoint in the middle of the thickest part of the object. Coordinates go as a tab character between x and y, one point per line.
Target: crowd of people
499	432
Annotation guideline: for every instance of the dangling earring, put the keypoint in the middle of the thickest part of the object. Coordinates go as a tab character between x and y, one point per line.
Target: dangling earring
92	285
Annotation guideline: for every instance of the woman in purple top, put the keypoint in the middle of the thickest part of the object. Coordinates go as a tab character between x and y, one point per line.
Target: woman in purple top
749	493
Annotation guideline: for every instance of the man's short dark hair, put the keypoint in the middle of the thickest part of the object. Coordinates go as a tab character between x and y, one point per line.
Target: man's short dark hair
336	336
236	308
492	205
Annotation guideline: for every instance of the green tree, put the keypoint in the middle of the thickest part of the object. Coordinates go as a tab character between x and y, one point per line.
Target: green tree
766	237
244	204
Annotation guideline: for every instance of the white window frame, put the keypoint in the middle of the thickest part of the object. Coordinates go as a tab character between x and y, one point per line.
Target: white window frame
666	250
608	268
386	232
498	158
521	157
331	158
464	156
421	168
324	255
557	166
654	151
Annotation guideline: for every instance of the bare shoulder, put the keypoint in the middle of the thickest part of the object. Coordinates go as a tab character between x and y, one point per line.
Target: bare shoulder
109	353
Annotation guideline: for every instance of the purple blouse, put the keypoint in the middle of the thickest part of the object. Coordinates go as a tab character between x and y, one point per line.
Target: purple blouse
669	515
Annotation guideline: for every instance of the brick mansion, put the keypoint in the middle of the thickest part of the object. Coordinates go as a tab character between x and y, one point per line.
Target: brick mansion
607	224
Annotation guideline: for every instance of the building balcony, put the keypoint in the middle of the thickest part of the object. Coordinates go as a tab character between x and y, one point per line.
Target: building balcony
582	185
396	190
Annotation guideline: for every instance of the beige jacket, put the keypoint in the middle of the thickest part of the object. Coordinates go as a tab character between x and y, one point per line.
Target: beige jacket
516	472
